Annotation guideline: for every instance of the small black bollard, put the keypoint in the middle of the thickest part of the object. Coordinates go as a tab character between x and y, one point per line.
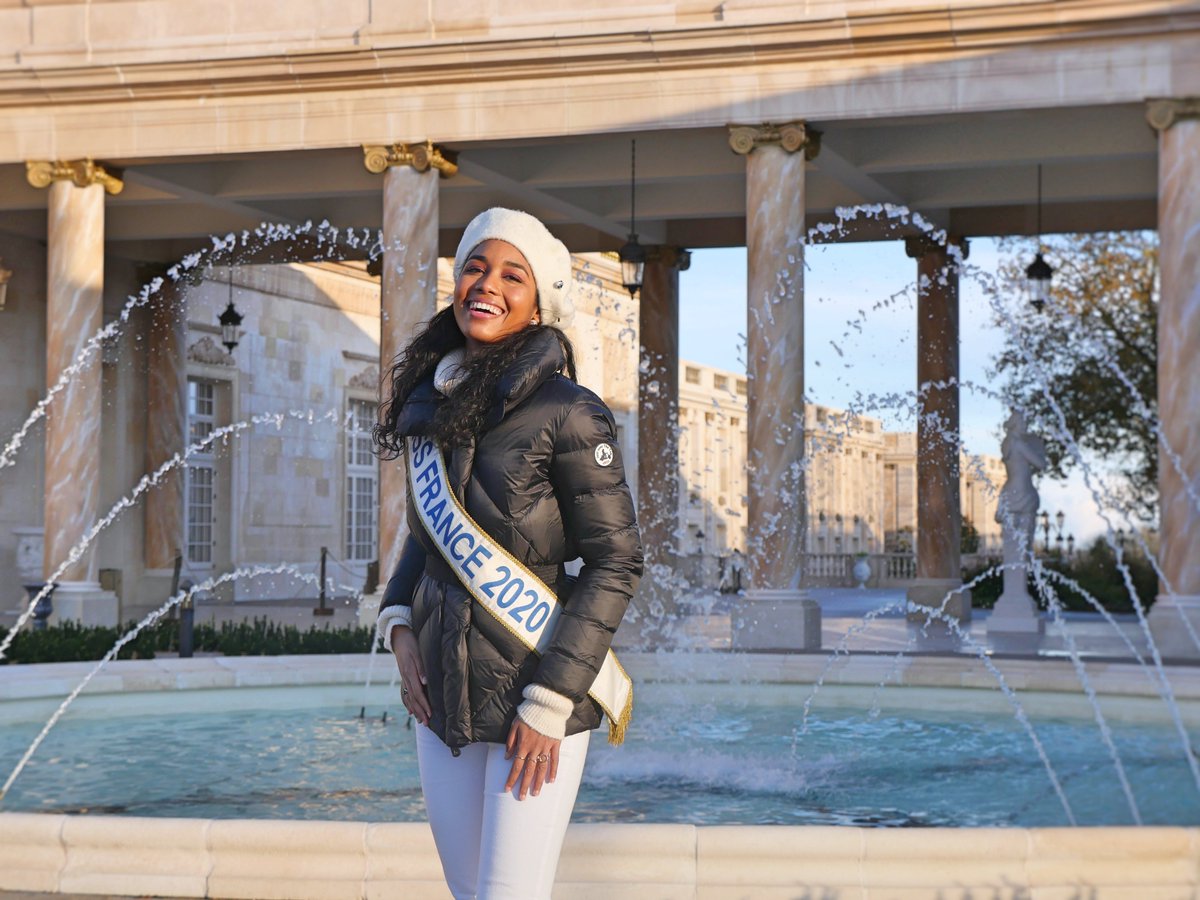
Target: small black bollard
323	610
187	619
187	633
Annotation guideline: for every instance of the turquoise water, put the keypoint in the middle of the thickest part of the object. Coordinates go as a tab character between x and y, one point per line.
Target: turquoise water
710	754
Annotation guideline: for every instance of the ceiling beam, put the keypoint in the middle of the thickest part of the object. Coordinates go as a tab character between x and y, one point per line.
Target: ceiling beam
830	162
200	198
540	200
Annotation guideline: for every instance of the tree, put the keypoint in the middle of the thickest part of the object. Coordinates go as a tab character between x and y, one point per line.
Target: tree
970	537
1095	350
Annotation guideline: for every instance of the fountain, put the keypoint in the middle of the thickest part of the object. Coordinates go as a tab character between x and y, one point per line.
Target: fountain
733	702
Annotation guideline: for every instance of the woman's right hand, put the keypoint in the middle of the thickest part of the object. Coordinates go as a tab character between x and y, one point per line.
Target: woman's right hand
412	674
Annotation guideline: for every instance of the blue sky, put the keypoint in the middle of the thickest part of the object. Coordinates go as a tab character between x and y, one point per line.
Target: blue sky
860	300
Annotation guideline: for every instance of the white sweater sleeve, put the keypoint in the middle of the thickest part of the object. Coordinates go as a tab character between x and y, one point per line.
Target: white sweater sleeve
390	617
545	711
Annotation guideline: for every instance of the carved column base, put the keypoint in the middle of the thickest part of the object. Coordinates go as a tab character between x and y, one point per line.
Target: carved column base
1171	634
931	593
1015	613
87	603
368	608
776	620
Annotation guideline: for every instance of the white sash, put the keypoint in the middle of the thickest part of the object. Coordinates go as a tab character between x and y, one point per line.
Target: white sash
515	597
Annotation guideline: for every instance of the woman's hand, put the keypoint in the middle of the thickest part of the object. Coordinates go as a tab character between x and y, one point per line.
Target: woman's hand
412	674
534	756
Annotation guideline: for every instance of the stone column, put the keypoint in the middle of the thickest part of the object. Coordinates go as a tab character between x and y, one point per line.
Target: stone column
658	441
939	507
166	423
1178	125
775	613
408	298
74	313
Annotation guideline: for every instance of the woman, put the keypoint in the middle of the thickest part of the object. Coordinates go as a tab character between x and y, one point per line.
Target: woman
529	458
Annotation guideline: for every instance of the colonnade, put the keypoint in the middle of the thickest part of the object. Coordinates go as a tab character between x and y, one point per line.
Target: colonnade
775	611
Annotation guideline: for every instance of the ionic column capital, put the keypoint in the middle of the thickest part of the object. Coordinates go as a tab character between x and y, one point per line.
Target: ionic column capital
670	256
791	136
81	172
918	245
378	158
1163	113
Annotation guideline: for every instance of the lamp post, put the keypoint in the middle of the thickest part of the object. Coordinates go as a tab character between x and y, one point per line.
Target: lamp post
1057	531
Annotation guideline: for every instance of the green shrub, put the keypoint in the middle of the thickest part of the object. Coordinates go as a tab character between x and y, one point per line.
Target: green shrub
1093	568
71	642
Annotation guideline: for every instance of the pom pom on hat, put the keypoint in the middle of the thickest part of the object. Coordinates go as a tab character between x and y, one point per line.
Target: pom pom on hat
549	257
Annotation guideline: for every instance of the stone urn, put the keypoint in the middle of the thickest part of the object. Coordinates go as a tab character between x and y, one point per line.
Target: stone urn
861	570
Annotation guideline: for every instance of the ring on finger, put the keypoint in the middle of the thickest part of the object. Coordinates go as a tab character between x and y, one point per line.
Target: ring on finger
542	759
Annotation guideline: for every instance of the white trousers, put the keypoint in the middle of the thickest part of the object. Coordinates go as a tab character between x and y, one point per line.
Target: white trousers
492	845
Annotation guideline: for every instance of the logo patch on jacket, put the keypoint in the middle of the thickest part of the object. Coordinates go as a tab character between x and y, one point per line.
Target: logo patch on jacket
604	455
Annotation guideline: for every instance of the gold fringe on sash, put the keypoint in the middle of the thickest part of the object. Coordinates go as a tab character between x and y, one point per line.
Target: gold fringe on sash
617	727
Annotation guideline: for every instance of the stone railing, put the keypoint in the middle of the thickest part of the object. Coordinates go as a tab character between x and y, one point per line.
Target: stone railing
837	569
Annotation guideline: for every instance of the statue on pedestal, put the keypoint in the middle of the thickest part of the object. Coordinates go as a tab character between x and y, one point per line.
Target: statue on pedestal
1024	455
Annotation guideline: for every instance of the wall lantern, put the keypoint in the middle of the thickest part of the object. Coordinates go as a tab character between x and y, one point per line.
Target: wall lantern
230	319
633	254
1038	273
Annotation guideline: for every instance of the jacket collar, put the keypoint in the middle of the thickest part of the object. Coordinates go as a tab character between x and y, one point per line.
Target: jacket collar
541	358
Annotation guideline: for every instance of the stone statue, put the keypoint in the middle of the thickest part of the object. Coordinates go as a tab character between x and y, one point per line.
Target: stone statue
1024	455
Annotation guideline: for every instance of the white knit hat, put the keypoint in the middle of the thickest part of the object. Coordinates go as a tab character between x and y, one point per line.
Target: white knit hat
547	255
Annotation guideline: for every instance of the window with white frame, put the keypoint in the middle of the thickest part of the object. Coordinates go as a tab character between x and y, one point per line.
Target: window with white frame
200	481
362	482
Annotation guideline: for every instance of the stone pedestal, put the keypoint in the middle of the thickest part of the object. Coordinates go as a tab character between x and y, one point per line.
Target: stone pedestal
1014	623
776	620
86	603
932	592
1015	626
939	513
1169	628
658	443
74	312
368	608
1178	122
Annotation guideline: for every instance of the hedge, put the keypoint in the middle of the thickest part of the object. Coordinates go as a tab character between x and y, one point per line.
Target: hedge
71	642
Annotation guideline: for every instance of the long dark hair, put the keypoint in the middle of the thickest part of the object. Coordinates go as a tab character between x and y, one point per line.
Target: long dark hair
460	419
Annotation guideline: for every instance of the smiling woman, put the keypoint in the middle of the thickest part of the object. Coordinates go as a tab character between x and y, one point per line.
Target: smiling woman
514	470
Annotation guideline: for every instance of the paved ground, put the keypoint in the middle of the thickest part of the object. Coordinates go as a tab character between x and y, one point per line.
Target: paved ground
849	616
852	617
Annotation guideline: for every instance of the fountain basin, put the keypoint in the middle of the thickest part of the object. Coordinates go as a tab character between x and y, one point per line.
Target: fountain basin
212	856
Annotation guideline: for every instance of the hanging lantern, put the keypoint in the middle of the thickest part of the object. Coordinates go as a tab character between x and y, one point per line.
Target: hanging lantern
633	265
230	321
1038	273
633	254
1037	281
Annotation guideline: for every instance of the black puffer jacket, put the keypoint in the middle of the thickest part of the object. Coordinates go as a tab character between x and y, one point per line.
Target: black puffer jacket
534	483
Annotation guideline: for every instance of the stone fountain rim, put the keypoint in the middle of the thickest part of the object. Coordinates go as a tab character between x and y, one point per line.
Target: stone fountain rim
30	681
